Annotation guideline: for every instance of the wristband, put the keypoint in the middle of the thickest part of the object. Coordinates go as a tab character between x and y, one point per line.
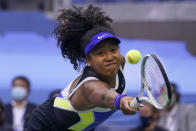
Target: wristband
117	100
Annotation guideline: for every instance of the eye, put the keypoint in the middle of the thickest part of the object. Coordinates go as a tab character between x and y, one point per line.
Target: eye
114	50
100	53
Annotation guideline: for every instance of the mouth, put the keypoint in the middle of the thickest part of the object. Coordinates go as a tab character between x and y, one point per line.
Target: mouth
111	66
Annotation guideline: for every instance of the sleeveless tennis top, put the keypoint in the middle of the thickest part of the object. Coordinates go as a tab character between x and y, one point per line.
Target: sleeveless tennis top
72	119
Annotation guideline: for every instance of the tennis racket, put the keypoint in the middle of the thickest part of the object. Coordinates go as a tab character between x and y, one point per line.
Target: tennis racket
155	82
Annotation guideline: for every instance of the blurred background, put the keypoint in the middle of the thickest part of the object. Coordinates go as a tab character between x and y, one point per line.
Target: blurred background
166	28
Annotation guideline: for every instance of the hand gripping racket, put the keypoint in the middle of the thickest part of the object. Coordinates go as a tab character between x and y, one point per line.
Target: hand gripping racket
155	82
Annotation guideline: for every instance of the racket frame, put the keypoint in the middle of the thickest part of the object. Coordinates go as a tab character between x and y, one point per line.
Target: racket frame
150	99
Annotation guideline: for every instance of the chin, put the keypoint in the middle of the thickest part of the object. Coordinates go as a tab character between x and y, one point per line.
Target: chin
109	71
112	72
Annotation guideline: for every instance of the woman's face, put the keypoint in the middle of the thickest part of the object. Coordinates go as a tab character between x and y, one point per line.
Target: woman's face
105	58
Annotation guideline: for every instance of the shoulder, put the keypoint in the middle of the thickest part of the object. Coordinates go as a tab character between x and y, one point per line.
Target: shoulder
95	84
7	106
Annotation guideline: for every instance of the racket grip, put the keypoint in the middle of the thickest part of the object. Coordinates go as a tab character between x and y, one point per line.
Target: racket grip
135	103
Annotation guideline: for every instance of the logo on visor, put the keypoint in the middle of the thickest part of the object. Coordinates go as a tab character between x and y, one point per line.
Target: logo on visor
99	37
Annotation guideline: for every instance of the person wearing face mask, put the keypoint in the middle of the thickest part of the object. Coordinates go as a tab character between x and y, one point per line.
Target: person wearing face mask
178	116
149	117
18	110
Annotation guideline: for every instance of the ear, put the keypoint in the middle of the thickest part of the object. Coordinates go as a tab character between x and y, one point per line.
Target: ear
28	90
88	62
156	116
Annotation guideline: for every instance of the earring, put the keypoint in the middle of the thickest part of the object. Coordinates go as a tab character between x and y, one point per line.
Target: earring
90	67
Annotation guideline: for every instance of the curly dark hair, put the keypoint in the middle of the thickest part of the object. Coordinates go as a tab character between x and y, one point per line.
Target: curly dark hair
76	27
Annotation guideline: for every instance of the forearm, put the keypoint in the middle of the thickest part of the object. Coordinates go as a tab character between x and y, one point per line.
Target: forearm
104	98
99	94
107	100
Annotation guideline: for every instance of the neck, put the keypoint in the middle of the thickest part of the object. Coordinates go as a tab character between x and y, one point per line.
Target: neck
111	81
19	103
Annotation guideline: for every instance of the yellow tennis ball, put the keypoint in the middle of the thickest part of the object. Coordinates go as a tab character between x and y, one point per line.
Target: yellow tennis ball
133	56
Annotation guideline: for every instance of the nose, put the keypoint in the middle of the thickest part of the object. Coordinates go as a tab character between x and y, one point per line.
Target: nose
109	57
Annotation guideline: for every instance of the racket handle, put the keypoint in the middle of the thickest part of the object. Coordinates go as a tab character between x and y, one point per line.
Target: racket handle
135	103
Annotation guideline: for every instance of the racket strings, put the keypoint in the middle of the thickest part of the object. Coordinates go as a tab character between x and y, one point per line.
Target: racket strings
156	82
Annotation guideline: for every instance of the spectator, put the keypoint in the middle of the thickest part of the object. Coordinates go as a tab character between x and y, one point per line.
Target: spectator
4	4
179	116
19	109
41	5
149	117
3	125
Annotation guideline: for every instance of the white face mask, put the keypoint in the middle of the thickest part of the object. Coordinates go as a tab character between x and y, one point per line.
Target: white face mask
18	93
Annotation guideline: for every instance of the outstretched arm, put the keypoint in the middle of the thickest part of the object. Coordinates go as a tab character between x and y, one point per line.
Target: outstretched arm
98	93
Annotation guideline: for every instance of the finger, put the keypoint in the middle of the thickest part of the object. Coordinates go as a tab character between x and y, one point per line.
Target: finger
129	113
127	109
132	110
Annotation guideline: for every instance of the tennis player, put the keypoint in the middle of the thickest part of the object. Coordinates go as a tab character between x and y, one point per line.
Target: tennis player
85	36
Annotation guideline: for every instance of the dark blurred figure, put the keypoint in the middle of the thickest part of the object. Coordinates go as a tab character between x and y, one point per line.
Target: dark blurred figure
149	117
4	4
18	111
3	125
41	5
179	116
54	93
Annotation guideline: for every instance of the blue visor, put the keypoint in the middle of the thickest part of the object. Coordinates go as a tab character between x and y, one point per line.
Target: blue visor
98	38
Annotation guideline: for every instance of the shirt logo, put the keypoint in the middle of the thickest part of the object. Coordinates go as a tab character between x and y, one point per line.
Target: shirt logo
99	37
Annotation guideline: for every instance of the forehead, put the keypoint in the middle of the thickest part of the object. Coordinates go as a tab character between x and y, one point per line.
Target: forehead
20	82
